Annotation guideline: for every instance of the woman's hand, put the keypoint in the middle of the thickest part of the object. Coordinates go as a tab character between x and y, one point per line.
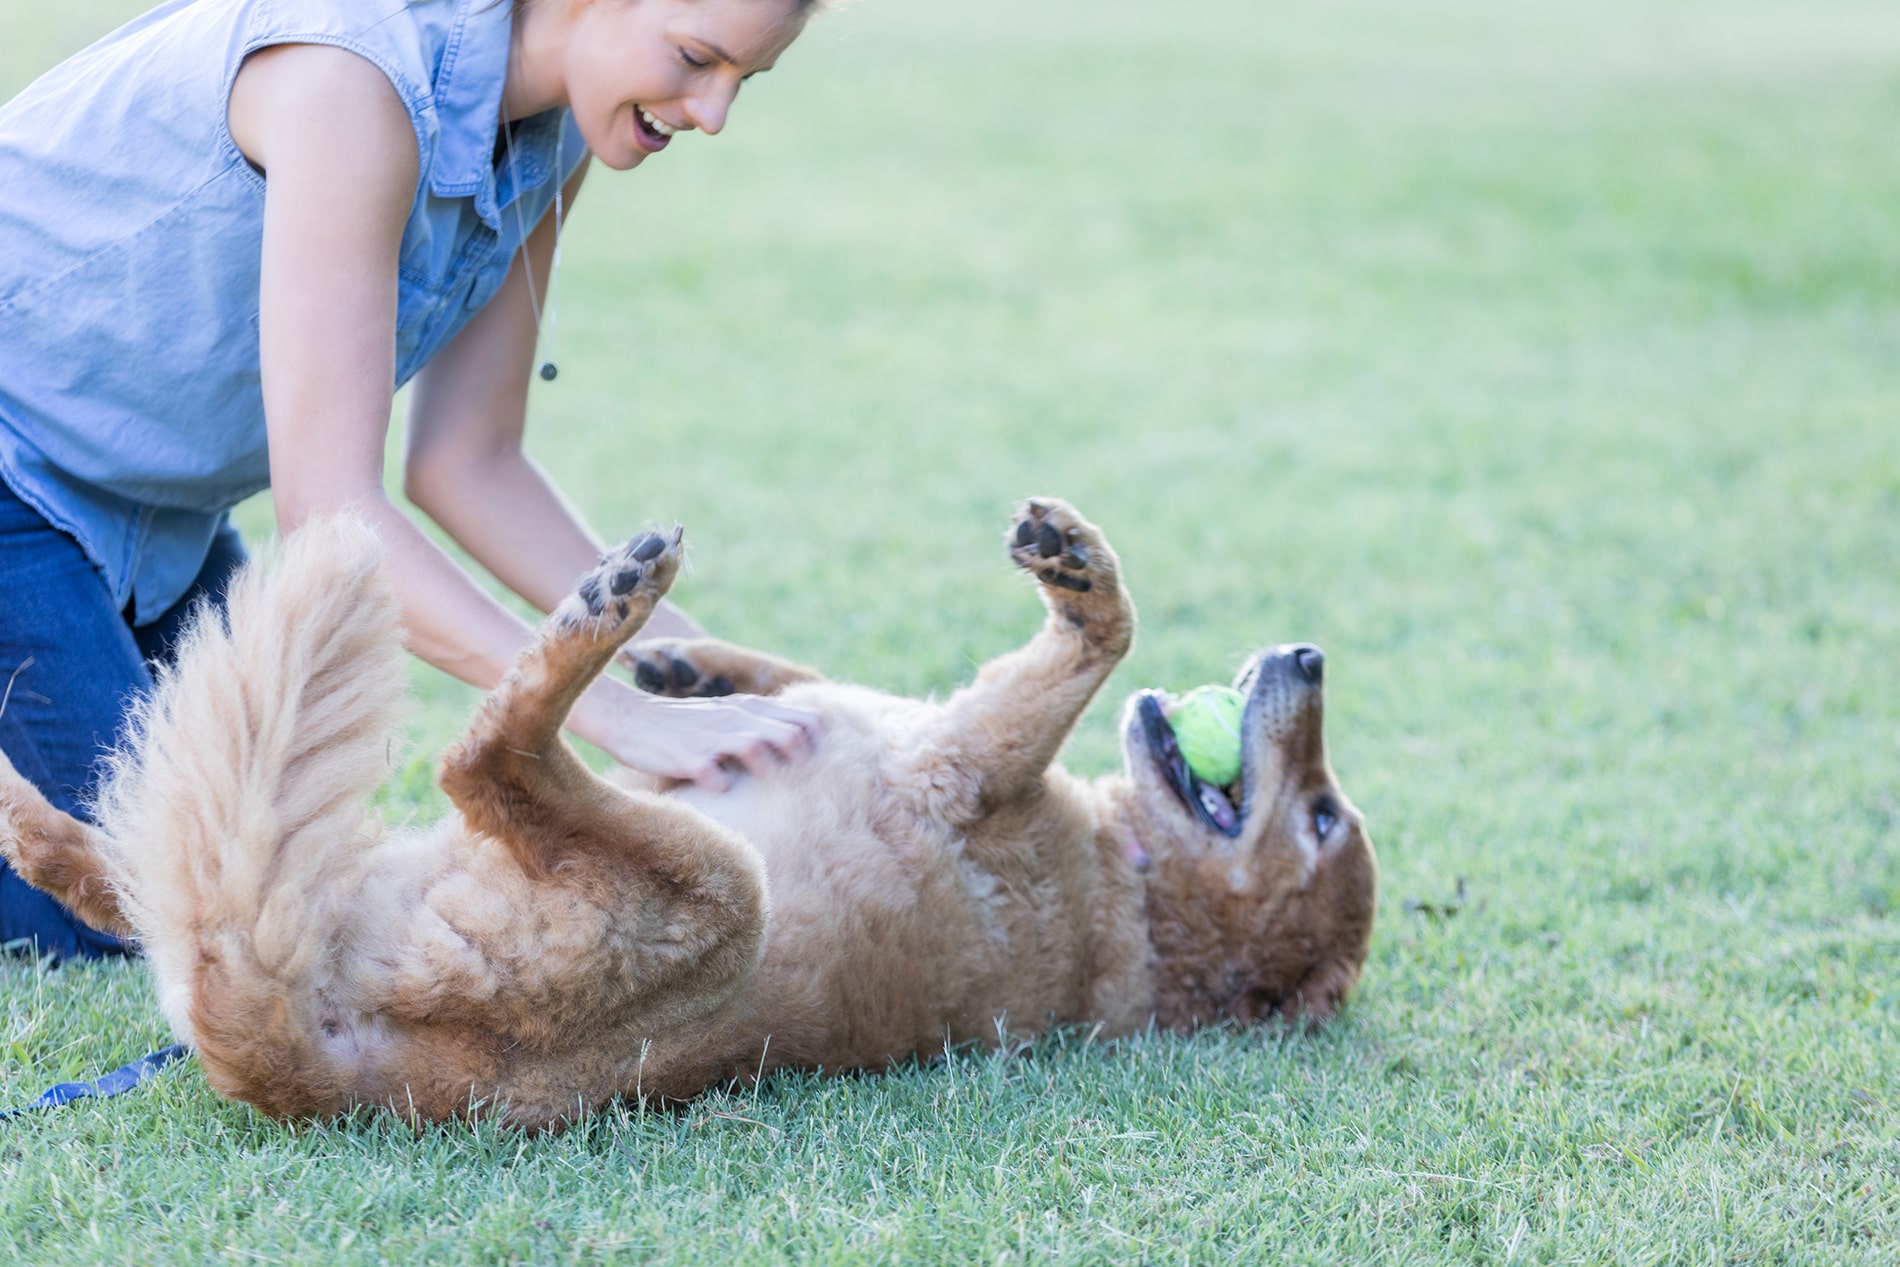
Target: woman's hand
706	741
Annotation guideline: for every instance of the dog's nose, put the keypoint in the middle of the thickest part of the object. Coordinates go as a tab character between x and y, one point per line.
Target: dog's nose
1311	662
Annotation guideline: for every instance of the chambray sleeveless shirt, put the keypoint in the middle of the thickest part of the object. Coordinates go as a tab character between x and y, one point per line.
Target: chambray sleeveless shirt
131	232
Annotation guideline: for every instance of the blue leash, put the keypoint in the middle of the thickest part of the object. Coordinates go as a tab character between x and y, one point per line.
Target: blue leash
117	1082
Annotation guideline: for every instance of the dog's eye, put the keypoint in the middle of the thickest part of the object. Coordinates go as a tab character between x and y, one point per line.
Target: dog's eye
1325	815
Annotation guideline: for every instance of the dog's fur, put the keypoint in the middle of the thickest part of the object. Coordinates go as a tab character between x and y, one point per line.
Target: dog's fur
928	877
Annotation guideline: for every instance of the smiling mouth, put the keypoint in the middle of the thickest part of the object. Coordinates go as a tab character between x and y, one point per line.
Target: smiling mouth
654	132
1215	806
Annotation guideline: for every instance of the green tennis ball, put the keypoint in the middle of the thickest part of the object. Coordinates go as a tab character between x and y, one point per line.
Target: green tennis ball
1206	725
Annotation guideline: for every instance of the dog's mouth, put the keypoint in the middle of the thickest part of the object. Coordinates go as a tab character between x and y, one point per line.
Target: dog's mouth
1219	808
1280	684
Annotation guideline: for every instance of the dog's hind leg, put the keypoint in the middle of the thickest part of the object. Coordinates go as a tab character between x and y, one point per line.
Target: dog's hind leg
55	852
686	897
702	668
512	776
515	779
1007	726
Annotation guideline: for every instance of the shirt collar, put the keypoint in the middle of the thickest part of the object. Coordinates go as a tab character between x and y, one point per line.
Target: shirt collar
468	89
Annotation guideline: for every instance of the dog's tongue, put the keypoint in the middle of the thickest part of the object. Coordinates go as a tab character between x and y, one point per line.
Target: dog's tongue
1214	803
1207	802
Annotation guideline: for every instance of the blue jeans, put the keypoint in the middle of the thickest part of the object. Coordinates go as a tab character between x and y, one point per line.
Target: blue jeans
70	665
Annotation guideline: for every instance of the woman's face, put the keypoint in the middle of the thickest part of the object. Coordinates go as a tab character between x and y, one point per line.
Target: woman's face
638	71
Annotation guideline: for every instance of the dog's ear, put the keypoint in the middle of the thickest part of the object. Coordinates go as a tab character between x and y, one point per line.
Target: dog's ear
1317	997
1315	925
1341	904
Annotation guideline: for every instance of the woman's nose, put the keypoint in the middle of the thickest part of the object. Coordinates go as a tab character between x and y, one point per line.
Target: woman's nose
707	110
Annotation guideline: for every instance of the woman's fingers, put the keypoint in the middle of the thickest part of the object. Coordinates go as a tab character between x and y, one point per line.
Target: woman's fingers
710	742
800	739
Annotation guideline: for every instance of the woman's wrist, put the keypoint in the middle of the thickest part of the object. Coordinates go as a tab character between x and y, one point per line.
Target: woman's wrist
668	621
602	712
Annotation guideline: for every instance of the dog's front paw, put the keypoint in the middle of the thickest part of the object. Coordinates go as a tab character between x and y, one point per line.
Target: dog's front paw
701	668
1059	547
622	591
665	666
1080	574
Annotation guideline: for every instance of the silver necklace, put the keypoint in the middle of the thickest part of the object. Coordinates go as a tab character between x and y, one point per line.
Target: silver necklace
548	369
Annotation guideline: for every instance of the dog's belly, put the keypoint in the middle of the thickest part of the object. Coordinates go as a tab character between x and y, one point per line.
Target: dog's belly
887	935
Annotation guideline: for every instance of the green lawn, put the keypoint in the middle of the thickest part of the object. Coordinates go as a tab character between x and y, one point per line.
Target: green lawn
1540	360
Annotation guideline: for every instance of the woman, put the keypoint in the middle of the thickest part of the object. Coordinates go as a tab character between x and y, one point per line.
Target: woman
228	232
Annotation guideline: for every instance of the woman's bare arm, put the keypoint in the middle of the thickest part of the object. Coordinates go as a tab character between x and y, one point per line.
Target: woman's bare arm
340	162
464	453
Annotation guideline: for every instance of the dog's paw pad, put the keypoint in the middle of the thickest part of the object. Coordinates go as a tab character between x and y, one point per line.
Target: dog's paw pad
630	577
660	670
589	593
1055	544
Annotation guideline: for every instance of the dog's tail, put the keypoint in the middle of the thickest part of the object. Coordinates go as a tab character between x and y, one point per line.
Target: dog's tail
236	812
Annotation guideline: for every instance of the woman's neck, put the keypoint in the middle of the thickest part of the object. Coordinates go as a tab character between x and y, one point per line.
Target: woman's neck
534	81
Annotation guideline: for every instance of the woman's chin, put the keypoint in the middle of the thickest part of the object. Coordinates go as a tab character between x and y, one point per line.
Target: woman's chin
616	150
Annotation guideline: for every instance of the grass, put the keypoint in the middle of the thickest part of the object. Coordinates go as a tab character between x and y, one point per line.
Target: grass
1536	359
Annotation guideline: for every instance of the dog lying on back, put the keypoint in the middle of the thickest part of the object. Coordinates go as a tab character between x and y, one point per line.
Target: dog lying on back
928	877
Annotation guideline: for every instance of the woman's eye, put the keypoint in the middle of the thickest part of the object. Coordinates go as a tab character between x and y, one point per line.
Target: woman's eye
1323	820
697	63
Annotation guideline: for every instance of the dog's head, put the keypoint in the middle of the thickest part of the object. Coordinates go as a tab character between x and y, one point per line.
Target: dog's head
1261	893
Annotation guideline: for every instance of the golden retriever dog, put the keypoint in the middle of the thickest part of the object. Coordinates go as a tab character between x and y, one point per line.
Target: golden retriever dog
927	877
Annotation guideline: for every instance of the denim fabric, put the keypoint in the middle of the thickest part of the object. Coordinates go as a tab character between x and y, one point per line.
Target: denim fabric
70	663
131	412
